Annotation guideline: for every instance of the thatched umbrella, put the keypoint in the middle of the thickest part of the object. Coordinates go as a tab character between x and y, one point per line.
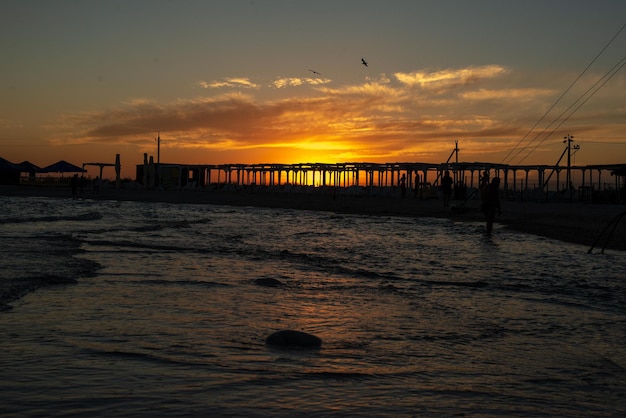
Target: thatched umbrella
63	167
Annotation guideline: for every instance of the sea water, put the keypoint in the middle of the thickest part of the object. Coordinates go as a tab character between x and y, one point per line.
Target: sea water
418	316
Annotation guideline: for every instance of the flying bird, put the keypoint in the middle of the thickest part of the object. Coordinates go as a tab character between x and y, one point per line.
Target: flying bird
363	62
314	72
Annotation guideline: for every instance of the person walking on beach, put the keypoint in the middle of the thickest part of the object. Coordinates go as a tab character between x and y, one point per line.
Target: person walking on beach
403	186
446	185
491	203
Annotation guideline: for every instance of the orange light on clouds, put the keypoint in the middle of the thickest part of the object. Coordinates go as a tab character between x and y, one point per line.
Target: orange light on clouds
249	82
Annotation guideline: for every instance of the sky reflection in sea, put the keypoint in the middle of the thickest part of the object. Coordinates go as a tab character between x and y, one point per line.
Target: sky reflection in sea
417	316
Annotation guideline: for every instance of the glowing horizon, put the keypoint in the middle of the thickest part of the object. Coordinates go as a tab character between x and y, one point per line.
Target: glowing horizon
292	99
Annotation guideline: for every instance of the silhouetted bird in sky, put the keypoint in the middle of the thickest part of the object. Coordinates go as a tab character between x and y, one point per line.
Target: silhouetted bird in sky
314	72
363	62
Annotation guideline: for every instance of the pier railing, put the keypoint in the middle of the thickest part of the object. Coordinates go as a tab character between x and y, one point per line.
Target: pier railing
531	182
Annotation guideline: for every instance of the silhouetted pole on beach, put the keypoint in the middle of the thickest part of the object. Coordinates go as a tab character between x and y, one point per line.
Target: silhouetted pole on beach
145	170
158	164
568	139
118	169
456	160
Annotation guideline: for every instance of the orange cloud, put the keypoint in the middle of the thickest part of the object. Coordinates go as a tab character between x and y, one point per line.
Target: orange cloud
451	77
10	124
516	94
282	82
412	116
228	82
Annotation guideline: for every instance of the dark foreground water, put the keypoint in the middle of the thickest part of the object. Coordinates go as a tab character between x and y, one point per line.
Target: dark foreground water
418	317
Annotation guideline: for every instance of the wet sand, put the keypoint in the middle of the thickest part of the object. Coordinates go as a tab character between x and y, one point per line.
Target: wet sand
575	222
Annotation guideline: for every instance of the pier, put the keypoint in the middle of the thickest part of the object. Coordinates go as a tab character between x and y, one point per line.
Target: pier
519	182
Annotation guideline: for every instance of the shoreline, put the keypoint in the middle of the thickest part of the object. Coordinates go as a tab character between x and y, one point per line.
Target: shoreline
574	222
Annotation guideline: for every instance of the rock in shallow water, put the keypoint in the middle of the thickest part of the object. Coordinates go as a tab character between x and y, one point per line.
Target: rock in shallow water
290	338
267	281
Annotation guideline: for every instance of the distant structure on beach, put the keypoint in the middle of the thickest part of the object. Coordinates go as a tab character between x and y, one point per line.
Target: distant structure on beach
531	181
11	173
54	174
521	182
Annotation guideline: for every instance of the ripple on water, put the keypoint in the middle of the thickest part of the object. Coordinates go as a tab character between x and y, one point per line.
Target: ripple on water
417	317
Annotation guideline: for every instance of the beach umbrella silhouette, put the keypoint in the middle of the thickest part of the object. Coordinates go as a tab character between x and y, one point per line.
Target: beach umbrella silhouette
28	167
62	167
9	172
7	165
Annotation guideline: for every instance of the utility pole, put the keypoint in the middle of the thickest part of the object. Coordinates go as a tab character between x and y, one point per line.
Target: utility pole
568	140
158	139
456	173
455	152
158	167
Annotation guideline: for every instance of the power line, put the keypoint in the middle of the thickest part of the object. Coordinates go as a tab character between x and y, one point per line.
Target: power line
603	142
616	68
558	100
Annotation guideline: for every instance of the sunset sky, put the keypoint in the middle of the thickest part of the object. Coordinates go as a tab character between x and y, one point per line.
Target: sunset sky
282	81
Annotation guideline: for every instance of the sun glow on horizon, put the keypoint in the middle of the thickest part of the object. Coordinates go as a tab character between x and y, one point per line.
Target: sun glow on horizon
247	82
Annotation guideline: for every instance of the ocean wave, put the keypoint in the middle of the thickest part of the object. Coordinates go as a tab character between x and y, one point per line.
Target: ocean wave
89	216
138	245
173	224
182	283
136	355
330	375
472	284
30	262
11	290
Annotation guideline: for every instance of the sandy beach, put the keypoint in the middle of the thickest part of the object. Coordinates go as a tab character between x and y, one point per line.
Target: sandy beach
574	222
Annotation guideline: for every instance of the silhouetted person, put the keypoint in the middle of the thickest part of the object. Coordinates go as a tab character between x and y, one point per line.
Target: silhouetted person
417	183
403	186
82	181
74	184
446	185
96	185
484	182
491	203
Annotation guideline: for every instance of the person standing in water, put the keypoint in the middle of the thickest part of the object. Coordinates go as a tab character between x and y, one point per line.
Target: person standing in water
484	182
491	203
403	186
